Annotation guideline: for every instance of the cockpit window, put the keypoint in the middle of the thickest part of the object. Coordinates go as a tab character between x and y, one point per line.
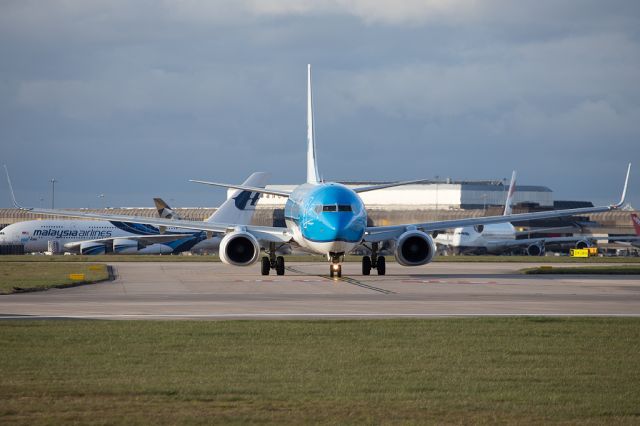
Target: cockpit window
329	208
344	208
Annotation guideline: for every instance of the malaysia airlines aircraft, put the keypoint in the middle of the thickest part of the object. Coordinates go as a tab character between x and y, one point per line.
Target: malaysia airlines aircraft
325	218
90	237
502	237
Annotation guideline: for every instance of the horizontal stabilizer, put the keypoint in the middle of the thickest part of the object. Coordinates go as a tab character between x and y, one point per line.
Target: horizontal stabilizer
245	188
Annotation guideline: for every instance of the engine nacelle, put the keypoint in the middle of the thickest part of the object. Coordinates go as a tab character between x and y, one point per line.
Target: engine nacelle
156	249
535	249
583	244
414	248
125	246
92	248
239	249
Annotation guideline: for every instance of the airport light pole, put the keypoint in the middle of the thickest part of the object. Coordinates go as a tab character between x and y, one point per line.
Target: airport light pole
437	177
101	196
53	193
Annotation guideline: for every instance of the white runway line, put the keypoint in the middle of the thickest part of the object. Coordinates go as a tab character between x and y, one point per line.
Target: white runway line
311	315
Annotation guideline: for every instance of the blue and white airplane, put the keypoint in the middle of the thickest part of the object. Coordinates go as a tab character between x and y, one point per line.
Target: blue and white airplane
325	218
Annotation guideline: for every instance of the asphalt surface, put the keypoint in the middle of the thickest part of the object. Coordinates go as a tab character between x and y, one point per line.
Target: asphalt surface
217	291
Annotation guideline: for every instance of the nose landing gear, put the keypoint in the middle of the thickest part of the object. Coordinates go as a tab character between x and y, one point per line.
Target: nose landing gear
335	269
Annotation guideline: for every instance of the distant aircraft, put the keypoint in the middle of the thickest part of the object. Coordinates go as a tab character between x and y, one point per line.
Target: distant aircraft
90	237
99	237
502	237
633	240
325	218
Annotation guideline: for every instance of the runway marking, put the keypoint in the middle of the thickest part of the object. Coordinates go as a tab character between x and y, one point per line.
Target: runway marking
314	315
256	280
448	282
347	280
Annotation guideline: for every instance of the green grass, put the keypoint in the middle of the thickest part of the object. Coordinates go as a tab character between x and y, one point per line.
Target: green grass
587	270
20	276
479	371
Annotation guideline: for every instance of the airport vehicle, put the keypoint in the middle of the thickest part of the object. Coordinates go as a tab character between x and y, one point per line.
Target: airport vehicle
326	218
503	237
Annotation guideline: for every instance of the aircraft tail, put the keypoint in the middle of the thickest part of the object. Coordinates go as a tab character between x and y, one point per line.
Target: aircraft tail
240	207
312	162
164	211
636	223
509	202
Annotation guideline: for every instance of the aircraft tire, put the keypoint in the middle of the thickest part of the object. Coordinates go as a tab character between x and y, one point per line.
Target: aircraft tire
366	265
280	265
382	266
266	266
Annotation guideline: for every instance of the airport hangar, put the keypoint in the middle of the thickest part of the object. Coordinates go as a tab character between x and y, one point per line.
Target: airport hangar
428	201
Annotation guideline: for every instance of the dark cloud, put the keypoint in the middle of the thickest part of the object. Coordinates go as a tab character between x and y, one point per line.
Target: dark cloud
131	99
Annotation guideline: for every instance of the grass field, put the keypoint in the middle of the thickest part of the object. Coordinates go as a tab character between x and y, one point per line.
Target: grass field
486	371
309	258
19	276
585	270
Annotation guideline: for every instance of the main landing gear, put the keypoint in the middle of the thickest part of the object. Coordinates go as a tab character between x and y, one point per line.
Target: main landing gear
272	261
374	262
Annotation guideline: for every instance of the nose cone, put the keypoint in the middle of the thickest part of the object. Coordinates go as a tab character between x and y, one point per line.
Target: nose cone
343	227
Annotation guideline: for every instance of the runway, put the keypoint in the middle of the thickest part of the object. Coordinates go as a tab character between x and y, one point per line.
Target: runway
168	290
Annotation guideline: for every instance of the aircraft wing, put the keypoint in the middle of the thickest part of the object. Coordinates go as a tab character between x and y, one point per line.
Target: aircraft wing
148	239
383	233
262	233
386	185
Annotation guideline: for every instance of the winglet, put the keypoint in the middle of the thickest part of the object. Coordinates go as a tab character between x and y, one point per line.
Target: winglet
312	162
624	190
13	196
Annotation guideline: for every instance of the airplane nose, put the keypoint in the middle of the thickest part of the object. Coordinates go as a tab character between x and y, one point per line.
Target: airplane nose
344	227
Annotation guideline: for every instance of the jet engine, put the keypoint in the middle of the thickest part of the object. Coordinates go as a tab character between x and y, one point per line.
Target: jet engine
92	248
156	249
583	244
239	249
536	249
414	248
125	246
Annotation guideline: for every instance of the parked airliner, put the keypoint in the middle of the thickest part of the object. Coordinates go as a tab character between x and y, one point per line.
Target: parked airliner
502	237
90	237
326	218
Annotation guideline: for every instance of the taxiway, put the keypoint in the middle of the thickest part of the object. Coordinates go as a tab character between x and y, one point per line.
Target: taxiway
173	290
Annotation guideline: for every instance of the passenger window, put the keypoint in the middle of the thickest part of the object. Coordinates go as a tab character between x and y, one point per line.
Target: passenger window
344	208
330	208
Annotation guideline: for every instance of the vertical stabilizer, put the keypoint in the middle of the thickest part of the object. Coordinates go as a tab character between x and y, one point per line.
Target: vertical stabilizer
240	207
312	164
636	223
512	188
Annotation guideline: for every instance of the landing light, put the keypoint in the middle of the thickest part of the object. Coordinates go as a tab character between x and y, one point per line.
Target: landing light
335	266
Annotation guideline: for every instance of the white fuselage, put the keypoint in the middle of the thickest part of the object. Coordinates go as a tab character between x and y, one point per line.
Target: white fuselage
486	238
35	235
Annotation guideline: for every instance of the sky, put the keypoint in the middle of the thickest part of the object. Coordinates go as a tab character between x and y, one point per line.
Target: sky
130	99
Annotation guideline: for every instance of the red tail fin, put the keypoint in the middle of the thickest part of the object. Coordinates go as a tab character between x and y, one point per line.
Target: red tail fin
636	223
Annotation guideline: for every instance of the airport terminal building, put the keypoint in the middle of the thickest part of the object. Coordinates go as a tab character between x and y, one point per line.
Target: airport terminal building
436	195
